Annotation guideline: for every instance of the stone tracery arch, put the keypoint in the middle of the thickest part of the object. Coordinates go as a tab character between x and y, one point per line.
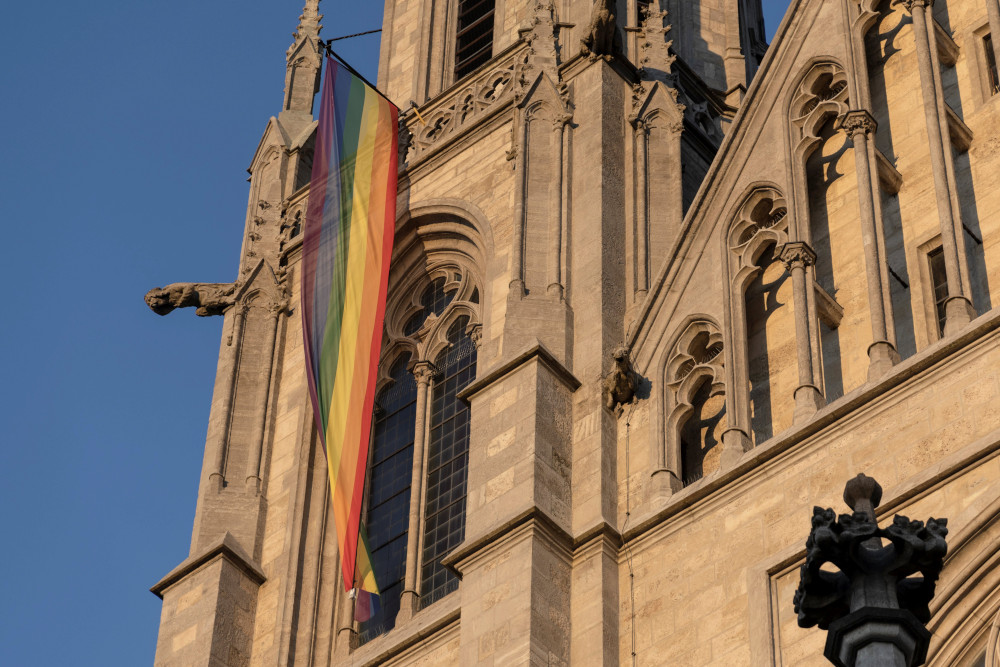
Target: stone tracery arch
694	359
759	227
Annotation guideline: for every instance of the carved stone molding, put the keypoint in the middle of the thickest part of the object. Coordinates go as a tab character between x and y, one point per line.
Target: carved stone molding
463	108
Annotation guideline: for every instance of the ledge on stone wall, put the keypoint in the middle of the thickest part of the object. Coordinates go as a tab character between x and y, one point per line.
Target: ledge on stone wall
227	547
430	621
545	357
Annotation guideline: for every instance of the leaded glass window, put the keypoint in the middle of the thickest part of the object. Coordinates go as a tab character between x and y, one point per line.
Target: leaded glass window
387	518
447	462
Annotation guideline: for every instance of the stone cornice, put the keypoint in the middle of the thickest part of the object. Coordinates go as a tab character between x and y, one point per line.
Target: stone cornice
539	351
227	548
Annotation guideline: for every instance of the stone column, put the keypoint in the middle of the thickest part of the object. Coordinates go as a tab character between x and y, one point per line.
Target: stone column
882	355
232	363
346	638
253	481
958	308
808	398
423	371
641	135
736	438
520	178
555	287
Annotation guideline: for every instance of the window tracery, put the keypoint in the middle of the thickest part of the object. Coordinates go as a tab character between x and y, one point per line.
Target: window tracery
759	303
696	410
415	508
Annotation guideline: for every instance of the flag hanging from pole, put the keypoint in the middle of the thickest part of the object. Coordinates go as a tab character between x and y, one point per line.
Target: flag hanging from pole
346	249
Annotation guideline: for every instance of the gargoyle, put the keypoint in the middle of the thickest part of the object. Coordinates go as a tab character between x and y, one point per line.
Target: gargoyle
208	298
620	384
602	37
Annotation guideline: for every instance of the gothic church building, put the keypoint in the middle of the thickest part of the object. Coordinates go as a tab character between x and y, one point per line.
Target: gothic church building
657	289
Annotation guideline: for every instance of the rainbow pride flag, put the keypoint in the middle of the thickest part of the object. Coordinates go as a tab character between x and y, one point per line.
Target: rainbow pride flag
346	249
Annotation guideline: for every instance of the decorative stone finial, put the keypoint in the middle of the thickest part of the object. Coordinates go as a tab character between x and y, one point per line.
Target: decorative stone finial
863	494
872	605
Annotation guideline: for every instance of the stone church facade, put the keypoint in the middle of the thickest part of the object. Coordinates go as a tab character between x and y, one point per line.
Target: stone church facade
657	289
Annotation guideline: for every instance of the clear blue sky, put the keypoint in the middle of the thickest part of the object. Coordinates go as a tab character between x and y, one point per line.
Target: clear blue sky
128	130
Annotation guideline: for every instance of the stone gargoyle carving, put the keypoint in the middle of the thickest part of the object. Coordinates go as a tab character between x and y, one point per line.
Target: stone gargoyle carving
602	37
208	298
620	384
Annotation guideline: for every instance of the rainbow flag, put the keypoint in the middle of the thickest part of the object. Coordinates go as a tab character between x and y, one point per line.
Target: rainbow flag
346	249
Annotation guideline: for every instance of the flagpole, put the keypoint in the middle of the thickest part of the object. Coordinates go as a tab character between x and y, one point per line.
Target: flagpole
331	52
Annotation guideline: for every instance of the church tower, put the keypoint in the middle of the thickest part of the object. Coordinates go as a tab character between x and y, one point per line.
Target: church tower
549	152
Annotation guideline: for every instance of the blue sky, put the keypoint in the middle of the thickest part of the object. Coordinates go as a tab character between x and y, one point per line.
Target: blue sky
129	129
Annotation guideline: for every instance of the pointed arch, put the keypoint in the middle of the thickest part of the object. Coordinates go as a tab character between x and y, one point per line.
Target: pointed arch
692	375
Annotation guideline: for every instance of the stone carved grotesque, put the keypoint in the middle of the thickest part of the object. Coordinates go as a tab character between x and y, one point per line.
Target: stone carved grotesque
872	586
208	298
602	37
620	384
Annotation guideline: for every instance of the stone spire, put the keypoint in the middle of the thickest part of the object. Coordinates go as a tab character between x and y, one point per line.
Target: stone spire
303	58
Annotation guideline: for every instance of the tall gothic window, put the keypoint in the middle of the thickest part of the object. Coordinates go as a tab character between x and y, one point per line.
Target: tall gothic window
447	462
388	513
432	325
474	39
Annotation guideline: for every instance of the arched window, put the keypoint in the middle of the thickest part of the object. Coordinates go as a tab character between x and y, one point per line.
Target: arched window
428	323
764	370
388	512
447	462
696	402
768	326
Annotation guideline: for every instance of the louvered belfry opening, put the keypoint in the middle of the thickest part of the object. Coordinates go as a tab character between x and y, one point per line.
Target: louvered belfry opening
474	39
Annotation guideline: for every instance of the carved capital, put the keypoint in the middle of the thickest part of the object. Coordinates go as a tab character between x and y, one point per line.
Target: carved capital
797	254
910	4
858	121
424	371
475	333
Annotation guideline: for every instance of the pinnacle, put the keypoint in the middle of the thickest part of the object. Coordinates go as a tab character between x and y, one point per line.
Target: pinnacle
309	25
